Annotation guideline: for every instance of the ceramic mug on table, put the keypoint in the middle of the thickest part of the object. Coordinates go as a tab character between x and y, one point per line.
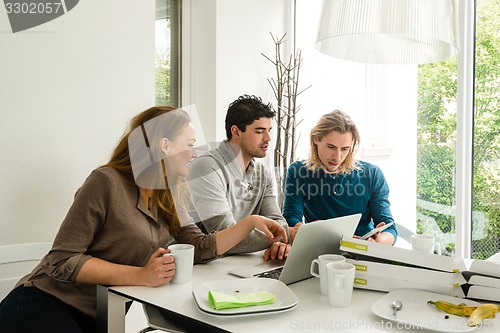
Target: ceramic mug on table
425	243
318	269
183	258
340	283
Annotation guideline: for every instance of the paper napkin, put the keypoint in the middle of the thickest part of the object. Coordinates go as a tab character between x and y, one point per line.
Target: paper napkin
219	301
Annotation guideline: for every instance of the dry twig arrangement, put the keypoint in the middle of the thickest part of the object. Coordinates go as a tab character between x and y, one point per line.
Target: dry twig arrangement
285	88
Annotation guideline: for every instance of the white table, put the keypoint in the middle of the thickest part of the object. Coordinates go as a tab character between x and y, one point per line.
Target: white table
312	314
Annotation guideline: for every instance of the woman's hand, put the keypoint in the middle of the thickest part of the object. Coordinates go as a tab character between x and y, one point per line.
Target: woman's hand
160	268
272	229
276	234
226	239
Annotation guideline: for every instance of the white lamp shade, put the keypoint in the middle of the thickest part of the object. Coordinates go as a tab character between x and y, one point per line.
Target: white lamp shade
389	31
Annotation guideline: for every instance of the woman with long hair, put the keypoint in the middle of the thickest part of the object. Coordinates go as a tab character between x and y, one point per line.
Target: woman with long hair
117	228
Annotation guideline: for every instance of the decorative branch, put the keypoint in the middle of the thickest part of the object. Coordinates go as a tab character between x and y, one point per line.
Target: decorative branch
285	89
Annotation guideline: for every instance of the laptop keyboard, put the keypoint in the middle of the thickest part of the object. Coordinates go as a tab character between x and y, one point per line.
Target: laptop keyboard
271	274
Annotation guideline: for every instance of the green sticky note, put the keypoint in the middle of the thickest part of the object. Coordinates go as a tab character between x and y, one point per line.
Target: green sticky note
219	301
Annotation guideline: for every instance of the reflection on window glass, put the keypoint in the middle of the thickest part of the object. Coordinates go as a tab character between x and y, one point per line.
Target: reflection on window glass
437	137
167	52
486	178
436	156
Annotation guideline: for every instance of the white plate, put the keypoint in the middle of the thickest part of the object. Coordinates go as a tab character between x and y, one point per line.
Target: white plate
284	298
417	314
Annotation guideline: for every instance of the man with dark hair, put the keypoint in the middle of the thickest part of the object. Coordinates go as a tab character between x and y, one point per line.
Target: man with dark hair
228	185
244	111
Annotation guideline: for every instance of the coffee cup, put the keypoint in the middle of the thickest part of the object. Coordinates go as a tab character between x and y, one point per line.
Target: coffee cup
340	283
318	269
183	258
425	243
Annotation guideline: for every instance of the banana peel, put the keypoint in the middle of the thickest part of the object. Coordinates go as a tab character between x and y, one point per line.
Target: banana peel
481	312
475	313
461	309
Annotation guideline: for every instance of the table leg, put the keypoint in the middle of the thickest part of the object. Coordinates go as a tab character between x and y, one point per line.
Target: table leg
111	311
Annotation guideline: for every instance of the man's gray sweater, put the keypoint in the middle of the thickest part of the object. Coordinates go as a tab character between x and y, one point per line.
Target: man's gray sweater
223	194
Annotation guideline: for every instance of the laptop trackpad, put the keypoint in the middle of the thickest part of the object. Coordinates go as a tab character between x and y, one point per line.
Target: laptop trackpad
250	271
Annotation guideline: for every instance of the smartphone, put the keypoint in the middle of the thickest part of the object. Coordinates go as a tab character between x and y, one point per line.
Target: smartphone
374	231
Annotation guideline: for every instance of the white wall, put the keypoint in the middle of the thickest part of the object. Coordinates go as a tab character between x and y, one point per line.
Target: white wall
67	91
225	39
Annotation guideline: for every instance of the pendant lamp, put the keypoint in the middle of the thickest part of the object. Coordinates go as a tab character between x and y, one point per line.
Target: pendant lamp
389	31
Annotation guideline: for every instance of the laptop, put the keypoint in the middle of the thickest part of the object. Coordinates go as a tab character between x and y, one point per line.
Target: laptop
312	239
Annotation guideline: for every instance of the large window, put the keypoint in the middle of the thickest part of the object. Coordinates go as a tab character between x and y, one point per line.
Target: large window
486	180
436	157
168	52
437	177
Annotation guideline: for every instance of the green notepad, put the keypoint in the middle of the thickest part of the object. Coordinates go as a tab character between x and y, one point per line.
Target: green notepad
220	301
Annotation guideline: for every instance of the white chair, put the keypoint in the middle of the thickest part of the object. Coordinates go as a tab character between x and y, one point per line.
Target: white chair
16	253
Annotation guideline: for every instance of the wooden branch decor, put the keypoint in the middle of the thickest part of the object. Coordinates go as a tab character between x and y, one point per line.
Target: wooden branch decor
285	88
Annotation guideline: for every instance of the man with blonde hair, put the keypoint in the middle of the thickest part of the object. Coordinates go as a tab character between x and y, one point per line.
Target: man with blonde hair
333	183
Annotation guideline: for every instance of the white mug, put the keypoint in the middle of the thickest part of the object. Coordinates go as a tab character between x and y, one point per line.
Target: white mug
318	269
425	243
183	258
340	283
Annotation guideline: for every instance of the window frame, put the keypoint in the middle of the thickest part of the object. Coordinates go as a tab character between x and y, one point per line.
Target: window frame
465	127
173	8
